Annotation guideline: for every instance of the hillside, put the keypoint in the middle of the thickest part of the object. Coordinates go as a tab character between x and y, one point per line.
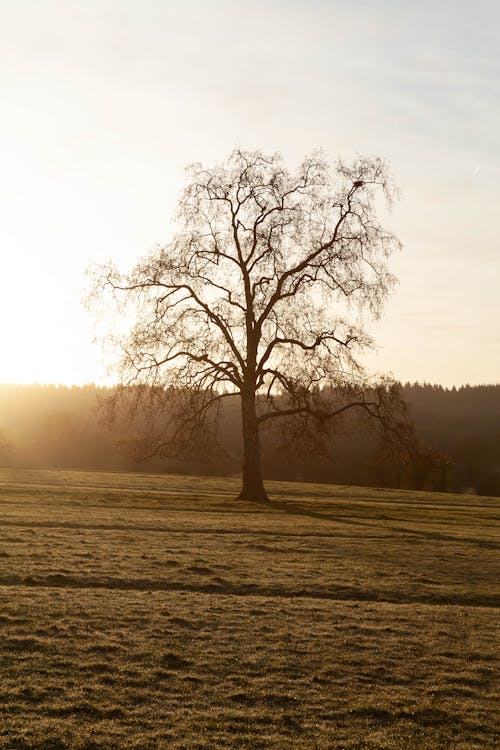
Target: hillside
148	611
458	433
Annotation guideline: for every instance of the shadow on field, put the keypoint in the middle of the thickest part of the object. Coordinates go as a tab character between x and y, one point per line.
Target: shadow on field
435	535
228	588
301	511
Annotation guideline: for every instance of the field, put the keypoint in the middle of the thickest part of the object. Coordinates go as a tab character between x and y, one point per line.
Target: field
143	611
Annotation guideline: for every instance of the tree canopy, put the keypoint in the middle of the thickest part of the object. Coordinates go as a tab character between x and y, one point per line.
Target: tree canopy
262	294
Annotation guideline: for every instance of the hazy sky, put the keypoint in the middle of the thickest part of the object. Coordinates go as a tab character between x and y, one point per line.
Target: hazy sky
104	102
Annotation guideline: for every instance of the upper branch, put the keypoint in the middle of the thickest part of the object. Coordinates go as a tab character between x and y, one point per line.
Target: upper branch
173	288
321	338
301	266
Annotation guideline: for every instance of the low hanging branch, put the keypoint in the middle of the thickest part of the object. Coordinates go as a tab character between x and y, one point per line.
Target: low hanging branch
258	296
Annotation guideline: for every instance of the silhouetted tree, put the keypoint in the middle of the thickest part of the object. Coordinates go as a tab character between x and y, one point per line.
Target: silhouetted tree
260	292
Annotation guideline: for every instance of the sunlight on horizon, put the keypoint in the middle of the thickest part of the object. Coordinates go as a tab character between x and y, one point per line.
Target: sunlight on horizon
103	107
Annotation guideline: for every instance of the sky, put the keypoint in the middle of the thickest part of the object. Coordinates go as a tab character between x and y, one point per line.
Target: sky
103	103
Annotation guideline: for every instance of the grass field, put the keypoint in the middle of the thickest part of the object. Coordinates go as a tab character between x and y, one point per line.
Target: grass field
143	611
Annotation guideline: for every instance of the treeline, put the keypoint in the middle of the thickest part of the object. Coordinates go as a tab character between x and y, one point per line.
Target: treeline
458	446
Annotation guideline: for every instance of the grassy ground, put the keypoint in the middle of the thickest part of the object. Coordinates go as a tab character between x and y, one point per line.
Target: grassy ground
142	611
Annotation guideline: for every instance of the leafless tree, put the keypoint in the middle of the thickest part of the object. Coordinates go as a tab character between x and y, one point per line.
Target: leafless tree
261	295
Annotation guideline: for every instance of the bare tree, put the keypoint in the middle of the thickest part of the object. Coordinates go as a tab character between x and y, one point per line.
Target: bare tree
261	295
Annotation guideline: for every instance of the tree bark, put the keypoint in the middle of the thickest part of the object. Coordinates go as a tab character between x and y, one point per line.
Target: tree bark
253	485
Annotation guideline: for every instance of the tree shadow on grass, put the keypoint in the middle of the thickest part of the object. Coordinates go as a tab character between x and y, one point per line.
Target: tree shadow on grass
301	511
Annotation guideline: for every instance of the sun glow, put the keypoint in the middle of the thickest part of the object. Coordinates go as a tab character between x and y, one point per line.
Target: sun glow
100	111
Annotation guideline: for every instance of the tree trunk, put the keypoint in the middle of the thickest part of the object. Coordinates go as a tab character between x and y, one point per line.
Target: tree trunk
253	485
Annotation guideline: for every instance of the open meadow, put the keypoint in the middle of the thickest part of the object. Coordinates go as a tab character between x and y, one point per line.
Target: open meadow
147	611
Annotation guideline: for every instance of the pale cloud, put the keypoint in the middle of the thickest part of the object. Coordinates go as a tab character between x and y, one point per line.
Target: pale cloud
103	103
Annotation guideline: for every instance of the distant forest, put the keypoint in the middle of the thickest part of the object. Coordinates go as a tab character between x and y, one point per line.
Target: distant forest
458	434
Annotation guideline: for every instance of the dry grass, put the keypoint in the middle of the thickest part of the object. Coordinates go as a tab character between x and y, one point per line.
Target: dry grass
153	612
